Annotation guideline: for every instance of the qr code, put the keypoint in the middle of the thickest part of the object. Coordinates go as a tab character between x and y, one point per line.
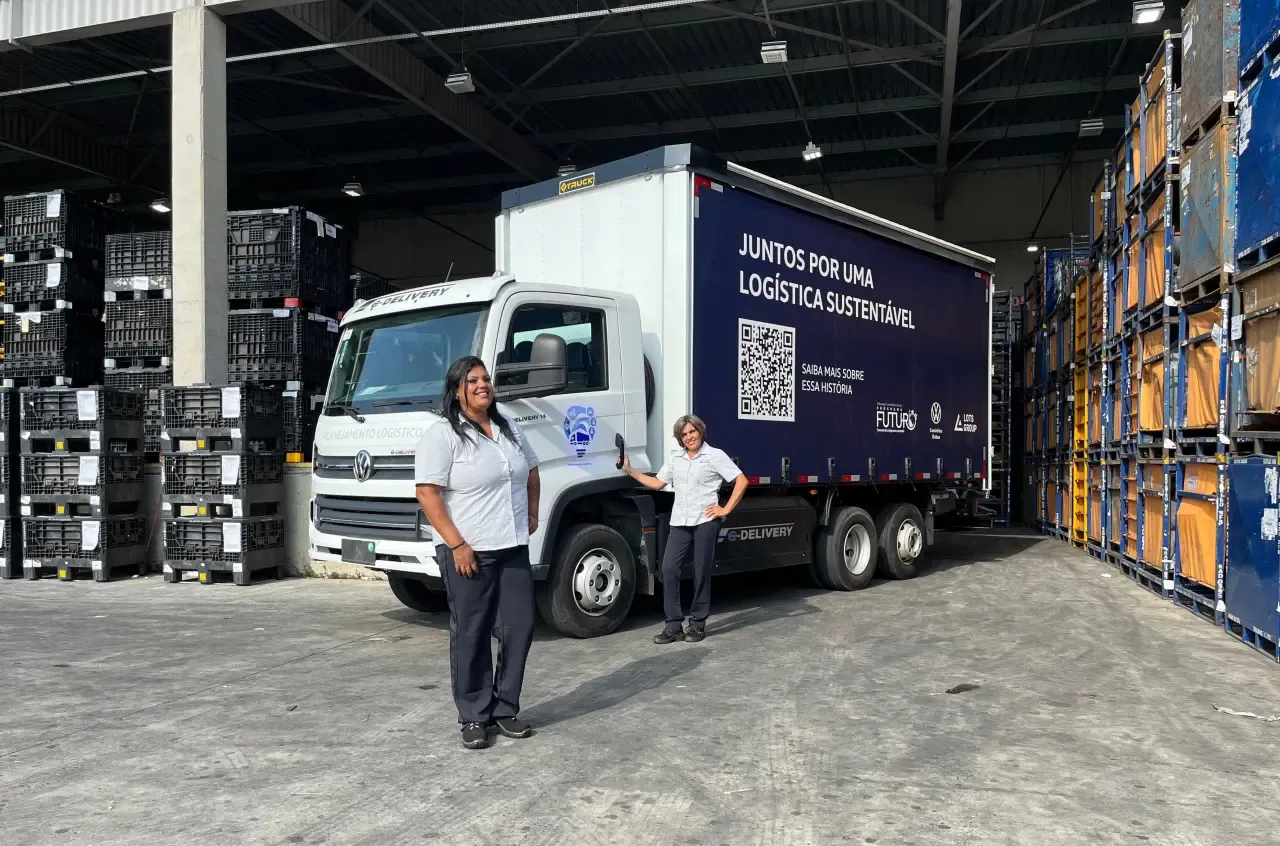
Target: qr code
766	371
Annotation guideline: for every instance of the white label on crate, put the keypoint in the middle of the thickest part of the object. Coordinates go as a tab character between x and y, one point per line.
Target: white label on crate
237	566
1192	484
1222	607
26	500
26	436
230	402
53	274
87	405
235	433
231	538
89	531
109	363
1168	584
291	394
318	318
333	326
1	534
88	475
1270	523
94	499
1217	334
280	312
95	565
140	283
168	570
230	470
1224	439
164	436
31	564
53	205
26	510
1271	482
1237	327
330	231
237	508
95	440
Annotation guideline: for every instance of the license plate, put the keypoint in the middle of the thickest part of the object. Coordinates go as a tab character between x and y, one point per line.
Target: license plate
358	551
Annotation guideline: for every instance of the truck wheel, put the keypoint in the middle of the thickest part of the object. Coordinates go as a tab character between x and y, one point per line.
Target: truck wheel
415	594
846	550
591	584
901	531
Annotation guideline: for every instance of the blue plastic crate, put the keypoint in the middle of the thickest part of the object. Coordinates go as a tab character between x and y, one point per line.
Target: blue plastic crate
1258	172
1252	580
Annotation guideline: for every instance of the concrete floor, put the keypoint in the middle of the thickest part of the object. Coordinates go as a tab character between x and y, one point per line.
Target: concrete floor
318	711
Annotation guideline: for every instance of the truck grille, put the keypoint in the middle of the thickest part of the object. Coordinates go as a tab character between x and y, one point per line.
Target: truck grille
370	519
385	467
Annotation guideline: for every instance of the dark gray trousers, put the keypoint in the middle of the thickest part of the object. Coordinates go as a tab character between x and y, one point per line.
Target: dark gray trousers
699	540
497	602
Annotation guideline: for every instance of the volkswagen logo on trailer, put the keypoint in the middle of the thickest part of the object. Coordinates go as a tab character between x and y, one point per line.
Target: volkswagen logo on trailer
935	414
362	467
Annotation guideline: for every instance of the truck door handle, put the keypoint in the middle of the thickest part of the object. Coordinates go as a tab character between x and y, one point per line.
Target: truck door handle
621	444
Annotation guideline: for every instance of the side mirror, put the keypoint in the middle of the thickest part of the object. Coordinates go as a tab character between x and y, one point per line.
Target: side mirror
546	371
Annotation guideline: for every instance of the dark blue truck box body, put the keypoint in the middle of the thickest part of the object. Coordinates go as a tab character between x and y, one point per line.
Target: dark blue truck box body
845	346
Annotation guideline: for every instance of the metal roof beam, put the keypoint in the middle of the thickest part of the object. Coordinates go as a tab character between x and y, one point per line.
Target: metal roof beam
47	140
403	72
834	62
948	101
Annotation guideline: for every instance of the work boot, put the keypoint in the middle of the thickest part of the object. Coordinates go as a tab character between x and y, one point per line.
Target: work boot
693	633
475	736
668	636
512	727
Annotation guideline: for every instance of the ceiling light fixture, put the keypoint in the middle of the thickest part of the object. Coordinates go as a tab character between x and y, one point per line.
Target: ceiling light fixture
1033	247
1148	11
460	83
773	52
353	189
1090	127
811	152
161	205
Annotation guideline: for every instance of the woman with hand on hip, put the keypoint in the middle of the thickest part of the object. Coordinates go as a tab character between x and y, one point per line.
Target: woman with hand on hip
695	471
477	483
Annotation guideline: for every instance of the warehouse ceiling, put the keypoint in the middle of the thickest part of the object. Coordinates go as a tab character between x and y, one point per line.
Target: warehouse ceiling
883	87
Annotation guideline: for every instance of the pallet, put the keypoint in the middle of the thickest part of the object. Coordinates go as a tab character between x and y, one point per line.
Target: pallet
216	440
1197	445
75	569
1208	123
1198	599
1207	287
213	572
1148	451
1256	443
37	382
138	294
1265	643
1147	576
51	304
1095	551
39	254
1255	258
303	303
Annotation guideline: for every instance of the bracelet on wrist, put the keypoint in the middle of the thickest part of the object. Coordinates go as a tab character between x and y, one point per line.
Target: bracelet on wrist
459	546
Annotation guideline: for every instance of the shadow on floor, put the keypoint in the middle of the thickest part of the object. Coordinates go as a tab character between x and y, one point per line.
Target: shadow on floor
612	689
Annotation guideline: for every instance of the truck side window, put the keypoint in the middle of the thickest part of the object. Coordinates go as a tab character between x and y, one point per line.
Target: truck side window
583	333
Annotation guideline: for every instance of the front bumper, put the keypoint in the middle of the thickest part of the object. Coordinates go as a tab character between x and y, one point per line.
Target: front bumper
401	556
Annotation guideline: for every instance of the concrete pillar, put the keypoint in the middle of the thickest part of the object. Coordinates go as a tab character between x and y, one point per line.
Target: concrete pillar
199	201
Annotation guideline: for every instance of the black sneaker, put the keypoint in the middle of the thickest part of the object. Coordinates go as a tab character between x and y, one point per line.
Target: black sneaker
693	634
512	727
668	636
475	736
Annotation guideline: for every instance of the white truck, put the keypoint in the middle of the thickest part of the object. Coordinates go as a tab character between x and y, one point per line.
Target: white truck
842	360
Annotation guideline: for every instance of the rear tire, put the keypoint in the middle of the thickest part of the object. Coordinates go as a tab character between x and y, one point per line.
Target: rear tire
415	594
901	530
591	585
846	550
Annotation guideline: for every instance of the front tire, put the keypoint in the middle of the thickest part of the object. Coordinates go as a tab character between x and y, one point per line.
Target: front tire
846	550
415	594
591	585
901	531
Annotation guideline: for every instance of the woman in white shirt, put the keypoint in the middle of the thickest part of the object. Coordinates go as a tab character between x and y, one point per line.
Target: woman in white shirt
695	471
477	483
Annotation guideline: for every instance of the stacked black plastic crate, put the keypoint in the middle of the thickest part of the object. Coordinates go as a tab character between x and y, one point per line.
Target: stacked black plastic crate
138	319
82	483
288	283
223	474
10	523
53	290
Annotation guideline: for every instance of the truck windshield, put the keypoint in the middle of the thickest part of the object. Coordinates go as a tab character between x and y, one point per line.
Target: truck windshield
394	363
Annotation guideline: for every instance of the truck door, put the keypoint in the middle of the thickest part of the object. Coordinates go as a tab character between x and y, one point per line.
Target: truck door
573	431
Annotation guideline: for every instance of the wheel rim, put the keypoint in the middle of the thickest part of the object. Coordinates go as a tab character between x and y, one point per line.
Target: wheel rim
857	550
597	581
910	541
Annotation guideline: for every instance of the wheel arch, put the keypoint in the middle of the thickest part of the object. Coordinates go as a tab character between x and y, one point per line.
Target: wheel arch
616	503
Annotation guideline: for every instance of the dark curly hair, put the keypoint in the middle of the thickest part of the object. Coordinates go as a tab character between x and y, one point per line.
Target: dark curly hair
451	408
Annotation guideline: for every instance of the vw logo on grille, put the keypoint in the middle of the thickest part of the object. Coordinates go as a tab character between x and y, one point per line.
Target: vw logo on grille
362	467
